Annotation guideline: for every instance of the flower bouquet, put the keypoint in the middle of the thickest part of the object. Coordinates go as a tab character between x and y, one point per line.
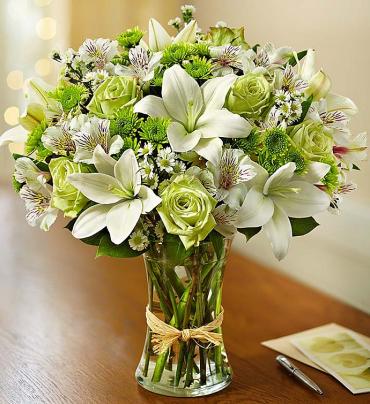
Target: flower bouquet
169	147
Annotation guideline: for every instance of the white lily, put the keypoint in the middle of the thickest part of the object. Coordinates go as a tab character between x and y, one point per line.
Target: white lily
159	38
120	197
273	199
93	132
26	171
38	206
16	135
232	168
142	65
197	113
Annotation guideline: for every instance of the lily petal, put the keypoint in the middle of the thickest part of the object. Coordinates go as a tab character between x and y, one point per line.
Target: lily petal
91	221
215	91
127	172
103	162
188	33
307	201
158	36
210	149
96	187
149	199
315	172
280	176
152	106
116	145
122	219
279	232
337	102
181	96
255	211
223	123
14	135
180	140
308	66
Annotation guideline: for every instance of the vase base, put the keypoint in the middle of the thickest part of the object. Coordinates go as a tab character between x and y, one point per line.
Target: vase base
196	391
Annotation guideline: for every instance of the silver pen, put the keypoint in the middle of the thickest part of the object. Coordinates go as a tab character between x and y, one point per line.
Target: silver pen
286	364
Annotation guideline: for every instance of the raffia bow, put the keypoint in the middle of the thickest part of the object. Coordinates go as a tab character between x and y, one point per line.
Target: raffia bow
164	335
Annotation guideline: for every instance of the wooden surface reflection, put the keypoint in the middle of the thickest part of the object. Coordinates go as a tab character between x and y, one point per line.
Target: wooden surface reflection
72	327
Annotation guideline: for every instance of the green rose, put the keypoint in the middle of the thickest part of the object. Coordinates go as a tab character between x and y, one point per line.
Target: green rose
312	138
186	210
249	96
219	36
65	196
113	94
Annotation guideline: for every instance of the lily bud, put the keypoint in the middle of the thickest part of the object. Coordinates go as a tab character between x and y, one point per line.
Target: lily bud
319	85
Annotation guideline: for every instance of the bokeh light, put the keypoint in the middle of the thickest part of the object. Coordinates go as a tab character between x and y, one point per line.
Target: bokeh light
42	3
15	79
43	67
46	28
11	115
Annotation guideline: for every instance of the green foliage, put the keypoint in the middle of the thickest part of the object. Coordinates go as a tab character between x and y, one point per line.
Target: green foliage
218	241
249	232
331	179
34	143
300	55
108	249
298	159
176	253
176	53
305	107
125	123
69	96
276	141
302	226
158	77
122	58
200	49
250	145
16	185
130	143
130	37
154	130
199	67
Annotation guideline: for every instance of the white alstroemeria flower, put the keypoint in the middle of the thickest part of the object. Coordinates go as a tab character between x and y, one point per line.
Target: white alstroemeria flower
232	168
58	139
26	171
120	197
94	132
197	113
337	197
226	58
38	206
159	38
142	65
273	199
350	149
98	51
226	218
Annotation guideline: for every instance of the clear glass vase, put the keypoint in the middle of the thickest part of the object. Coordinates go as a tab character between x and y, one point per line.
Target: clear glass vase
185	291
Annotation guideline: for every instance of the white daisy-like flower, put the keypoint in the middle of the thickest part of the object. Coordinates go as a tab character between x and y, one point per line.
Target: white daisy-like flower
281	97
38	206
95	78
98	51
93	133
188	8
146	169
166	159
179	167
285	109
138	241
221	24
153	181
175	22
146	150
159	231
58	139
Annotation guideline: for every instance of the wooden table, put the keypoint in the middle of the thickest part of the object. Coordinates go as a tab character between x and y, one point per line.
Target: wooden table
72	328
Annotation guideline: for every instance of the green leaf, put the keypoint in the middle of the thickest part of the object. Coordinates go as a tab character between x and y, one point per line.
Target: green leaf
249	232
305	107
218	242
355	167
174	248
300	55
109	249
255	47
302	226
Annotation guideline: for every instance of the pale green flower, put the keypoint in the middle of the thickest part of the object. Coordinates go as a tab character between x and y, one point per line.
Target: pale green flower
249	96
186	210
113	94
138	241
312	138
65	196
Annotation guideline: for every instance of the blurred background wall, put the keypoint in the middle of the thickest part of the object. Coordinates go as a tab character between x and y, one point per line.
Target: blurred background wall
335	257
